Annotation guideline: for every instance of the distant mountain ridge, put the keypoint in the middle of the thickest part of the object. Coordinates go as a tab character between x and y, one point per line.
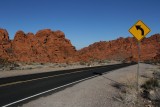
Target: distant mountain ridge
52	46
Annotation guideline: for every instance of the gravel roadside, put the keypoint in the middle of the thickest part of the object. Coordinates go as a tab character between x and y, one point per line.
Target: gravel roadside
95	92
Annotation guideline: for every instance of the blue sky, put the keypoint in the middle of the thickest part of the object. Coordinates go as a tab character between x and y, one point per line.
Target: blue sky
83	21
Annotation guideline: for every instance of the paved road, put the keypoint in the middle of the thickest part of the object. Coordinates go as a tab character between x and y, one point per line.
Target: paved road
17	90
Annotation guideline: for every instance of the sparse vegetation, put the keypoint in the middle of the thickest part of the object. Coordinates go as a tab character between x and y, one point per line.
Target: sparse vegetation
120	87
156	74
151	89
104	61
7	65
126	91
3	61
82	63
150	84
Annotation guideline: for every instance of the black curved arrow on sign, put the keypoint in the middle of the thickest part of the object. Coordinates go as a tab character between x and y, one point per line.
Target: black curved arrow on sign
138	27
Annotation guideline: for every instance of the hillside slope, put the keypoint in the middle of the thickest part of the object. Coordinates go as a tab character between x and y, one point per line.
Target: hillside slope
122	49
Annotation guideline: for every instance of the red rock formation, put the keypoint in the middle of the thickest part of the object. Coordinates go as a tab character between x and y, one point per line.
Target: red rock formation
44	46
5	44
122	49
52	46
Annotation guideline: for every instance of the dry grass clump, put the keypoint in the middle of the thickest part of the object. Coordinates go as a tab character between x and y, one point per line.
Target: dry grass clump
127	91
151	89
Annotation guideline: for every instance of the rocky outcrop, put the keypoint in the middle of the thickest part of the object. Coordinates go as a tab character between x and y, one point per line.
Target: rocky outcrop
44	46
5	44
52	46
123	49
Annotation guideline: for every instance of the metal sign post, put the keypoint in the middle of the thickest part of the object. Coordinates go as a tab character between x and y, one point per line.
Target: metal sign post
139	52
139	31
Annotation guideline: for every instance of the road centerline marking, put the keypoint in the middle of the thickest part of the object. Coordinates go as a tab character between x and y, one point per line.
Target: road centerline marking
18	82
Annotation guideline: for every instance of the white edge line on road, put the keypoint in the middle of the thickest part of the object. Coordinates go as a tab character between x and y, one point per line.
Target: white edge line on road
47	91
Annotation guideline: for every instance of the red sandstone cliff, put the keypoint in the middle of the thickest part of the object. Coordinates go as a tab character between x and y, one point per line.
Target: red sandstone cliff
123	49
44	46
52	46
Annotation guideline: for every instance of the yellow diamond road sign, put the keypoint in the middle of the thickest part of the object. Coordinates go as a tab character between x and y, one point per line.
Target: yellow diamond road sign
139	30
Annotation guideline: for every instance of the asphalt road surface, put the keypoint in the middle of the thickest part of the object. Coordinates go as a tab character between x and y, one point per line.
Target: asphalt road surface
19	89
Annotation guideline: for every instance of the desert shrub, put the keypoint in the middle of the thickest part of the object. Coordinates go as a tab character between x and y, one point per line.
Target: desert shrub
4	61
106	61
103	61
100	61
150	84
42	63
119	86
82	63
156	74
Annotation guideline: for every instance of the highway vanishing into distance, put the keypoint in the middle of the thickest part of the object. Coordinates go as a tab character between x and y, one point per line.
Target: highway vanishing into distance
18	90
